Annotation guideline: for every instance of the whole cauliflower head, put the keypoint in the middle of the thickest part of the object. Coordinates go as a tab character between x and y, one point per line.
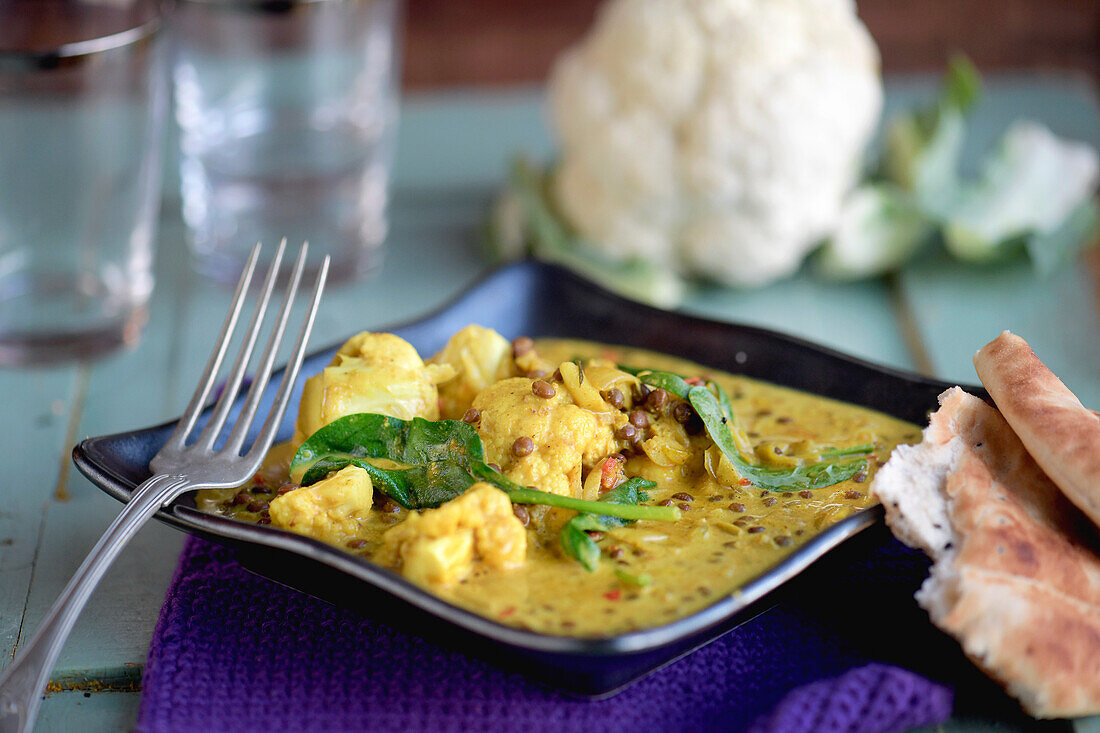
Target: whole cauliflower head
717	137
372	372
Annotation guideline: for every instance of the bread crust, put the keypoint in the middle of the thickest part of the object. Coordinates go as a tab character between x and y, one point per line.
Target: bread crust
1060	433
1016	577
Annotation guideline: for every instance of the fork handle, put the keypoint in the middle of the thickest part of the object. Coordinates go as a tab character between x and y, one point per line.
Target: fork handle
23	683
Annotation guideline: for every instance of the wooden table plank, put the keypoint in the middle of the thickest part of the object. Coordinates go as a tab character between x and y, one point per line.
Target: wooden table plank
123	391
855	318
104	712
38	406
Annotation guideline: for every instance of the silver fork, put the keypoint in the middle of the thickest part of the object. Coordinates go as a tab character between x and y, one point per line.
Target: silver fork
177	468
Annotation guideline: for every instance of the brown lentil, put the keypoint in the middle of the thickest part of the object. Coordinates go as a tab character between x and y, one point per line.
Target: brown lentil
495	467
806	494
667	502
783	540
682	413
472	415
755	529
852	494
626	432
556	376
241	498
656	400
737	507
860	477
265	519
357	543
521	513
258	505
683	496
770	501
595	535
543	389
684	506
523	446
614	397
615	551
639	419
285	489
521	346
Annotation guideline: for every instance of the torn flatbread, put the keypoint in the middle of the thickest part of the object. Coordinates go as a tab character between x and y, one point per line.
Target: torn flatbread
1016	577
1062	435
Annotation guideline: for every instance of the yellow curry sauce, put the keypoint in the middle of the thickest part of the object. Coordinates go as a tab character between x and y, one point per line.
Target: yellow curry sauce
727	534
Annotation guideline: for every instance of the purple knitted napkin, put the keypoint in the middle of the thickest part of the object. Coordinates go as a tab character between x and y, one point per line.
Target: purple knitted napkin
236	652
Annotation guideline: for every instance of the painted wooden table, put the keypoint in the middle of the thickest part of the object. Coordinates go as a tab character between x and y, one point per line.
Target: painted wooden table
454	148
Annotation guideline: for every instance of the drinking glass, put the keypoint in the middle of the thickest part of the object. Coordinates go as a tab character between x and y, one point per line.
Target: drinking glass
82	98
287	113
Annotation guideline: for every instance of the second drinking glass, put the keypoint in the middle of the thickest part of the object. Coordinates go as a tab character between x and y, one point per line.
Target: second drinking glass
287	114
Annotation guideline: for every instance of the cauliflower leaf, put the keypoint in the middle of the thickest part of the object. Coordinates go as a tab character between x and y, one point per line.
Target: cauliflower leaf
1034	192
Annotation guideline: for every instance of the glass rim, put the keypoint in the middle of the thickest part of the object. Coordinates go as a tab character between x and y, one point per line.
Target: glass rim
75	52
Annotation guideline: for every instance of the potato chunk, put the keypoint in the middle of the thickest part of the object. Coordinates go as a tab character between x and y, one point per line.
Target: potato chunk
441	546
330	510
479	357
372	372
567	439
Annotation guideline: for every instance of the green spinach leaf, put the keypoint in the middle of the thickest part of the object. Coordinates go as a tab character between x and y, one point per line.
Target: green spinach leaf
800	478
574	535
436	461
712	404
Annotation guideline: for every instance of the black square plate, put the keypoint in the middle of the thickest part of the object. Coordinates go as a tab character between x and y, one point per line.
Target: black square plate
535	299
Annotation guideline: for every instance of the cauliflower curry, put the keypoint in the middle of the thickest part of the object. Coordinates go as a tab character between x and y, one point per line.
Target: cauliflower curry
562	486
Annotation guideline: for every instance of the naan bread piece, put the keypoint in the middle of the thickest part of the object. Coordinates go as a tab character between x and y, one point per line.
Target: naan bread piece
1060	433
1016	577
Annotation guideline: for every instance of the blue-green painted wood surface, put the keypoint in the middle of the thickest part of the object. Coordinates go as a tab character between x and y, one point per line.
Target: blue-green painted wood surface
452	153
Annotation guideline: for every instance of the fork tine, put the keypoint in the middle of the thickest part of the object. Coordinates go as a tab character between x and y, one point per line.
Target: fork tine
263	370
233	383
290	374
206	382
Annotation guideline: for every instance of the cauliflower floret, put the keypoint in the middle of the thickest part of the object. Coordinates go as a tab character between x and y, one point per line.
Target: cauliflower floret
330	510
479	357
567	439
372	372
440	546
717	136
